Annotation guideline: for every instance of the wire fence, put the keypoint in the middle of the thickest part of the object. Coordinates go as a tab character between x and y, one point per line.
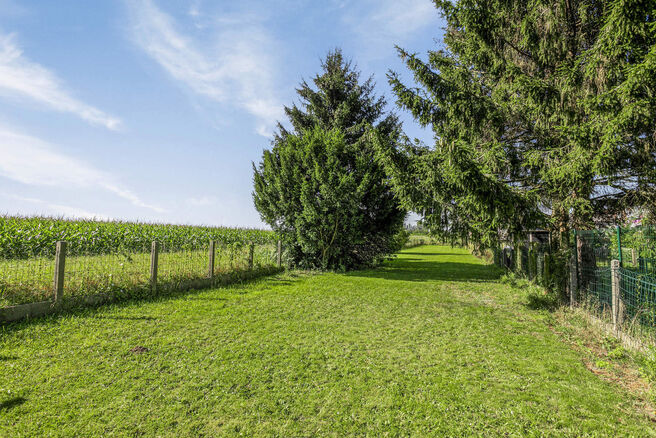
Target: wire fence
124	273
138	270
530	257
626	292
26	280
638	298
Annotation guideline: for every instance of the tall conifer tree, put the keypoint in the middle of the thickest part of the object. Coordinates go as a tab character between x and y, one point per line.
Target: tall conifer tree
544	114
320	186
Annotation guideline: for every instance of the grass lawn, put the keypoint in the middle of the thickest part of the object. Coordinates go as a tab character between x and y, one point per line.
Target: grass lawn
431	344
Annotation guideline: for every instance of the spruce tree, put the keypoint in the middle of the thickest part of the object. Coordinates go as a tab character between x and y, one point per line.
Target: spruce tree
543	112
319	185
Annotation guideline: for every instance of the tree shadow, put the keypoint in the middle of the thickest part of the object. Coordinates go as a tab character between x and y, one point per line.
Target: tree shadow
204	298
131	318
3	358
403	270
11	403
547	302
432	254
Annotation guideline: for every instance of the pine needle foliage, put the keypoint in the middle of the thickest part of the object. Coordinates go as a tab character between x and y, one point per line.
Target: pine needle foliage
543	112
320	186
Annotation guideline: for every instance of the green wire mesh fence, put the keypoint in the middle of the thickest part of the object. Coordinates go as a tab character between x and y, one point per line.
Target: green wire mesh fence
595	249
638	298
634	299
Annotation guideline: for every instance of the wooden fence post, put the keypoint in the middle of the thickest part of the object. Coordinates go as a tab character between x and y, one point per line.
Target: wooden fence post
279	253
573	280
212	254
615	296
154	255
60	270
251	251
634	256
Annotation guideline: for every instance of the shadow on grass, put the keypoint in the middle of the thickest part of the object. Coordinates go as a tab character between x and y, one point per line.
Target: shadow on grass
11	403
199	298
3	358
131	318
410	270
433	254
547	302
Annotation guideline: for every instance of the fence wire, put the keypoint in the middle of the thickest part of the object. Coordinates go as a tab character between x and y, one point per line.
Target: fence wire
181	268
638	297
26	280
124	273
634	247
595	249
127	272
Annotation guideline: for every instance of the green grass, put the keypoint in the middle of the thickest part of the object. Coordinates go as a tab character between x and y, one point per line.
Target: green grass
419	239
431	344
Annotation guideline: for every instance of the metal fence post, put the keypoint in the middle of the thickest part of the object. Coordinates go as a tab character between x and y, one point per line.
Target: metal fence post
279	253
60	271
579	259
251	252
619	243
154	255
212	255
615	297
573	279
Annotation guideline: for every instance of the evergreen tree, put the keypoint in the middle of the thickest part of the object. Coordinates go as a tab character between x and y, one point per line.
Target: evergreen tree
543	111
320	186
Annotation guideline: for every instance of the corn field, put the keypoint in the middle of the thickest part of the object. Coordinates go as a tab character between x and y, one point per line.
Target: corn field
22	238
115	257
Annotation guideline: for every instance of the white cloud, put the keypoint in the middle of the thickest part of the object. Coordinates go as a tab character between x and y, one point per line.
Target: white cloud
381	24
32	161
236	70
50	209
202	201
399	18
22	78
194	9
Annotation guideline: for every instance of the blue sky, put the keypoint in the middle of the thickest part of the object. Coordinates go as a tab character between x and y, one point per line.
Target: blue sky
154	110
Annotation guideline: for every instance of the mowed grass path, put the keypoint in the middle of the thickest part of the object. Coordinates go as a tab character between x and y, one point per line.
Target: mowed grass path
429	345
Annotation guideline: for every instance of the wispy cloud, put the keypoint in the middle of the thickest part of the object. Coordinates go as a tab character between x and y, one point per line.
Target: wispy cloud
23	78
50	209
399	18
202	201
237	70
380	24
32	161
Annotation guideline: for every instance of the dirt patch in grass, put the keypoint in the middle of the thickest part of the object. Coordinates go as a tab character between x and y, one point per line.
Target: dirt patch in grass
604	356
